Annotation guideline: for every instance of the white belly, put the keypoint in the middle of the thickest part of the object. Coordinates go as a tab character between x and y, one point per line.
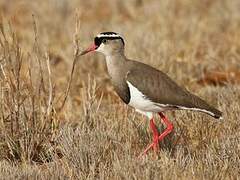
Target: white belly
140	102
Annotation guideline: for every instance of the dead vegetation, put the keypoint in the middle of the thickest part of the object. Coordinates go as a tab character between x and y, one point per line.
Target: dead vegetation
54	125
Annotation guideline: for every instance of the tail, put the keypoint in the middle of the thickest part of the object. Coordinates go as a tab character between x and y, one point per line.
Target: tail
197	104
212	112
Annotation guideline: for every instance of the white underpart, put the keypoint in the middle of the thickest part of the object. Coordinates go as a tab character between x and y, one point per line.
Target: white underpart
148	114
141	103
147	107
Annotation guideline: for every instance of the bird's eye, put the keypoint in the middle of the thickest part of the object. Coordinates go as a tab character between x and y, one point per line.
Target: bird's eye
104	41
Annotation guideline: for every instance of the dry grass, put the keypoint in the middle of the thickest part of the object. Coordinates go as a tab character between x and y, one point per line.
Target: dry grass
94	135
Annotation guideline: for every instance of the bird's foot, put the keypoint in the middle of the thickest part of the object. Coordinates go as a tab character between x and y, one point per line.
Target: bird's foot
155	143
156	137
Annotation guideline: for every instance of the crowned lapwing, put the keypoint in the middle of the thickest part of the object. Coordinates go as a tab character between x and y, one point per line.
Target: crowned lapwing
145	88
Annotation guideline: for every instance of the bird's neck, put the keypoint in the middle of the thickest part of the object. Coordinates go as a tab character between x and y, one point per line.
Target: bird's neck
115	63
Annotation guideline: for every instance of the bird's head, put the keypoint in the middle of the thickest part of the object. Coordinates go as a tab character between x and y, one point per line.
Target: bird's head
107	43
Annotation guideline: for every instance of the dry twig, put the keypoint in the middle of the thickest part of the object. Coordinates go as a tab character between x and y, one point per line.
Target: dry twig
76	56
49	107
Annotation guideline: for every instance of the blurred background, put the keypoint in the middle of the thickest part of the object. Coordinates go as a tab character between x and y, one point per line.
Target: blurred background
187	39
197	43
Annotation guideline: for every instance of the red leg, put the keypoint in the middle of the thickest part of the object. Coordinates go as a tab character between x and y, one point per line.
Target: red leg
155	133
169	125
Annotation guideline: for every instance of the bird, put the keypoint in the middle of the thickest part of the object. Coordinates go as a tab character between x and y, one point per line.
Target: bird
145	88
